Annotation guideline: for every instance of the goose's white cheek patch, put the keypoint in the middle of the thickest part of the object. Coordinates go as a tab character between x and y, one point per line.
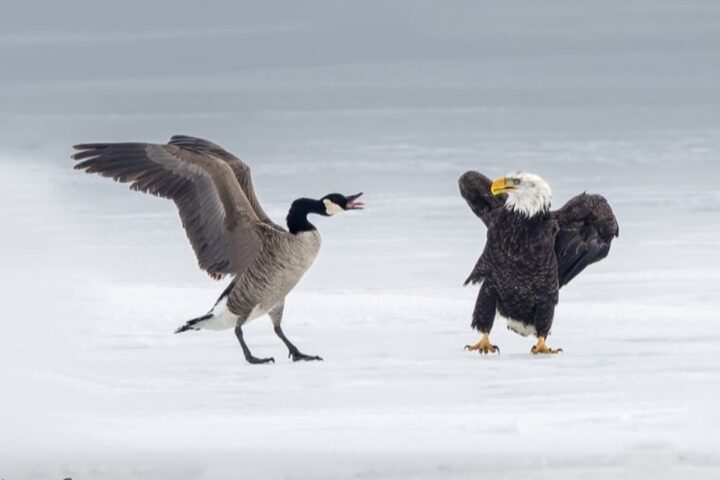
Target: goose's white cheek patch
331	208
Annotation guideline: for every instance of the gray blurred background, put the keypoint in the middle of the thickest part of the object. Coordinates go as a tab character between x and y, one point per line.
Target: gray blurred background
393	98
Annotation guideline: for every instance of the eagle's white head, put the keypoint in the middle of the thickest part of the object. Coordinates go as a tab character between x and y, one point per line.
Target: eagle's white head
527	193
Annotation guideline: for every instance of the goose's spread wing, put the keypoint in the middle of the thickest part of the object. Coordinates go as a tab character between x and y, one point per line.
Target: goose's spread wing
218	217
475	189
239	168
587	228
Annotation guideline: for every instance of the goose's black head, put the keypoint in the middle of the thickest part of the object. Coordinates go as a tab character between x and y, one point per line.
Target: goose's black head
336	202
327	206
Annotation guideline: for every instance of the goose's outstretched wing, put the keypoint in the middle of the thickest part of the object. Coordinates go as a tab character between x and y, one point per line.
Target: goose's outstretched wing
475	189
587	228
217	215
240	168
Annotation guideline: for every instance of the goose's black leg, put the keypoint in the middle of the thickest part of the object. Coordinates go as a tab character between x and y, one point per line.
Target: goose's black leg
249	356
276	315
293	351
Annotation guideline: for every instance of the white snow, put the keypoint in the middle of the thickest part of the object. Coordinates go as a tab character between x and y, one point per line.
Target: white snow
611	98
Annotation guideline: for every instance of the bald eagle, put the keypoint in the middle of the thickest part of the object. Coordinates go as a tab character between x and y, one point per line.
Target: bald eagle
530	252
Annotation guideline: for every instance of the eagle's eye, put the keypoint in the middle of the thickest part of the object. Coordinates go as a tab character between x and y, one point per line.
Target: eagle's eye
516	181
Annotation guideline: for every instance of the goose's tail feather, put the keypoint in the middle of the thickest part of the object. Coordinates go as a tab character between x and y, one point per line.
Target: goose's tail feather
190	324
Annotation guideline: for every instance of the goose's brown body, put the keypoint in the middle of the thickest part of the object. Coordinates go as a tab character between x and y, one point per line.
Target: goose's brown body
228	229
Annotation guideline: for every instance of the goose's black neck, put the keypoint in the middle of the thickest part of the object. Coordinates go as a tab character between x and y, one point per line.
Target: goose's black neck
297	221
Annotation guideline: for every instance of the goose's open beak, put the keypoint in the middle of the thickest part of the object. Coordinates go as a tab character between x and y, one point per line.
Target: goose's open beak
353	203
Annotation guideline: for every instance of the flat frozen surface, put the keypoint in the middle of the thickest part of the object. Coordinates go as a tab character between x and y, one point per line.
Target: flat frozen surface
617	100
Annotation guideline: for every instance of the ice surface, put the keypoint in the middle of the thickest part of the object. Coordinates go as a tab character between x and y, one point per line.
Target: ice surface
395	100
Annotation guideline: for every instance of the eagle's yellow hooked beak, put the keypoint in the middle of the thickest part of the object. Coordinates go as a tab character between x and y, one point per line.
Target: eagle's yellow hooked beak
502	185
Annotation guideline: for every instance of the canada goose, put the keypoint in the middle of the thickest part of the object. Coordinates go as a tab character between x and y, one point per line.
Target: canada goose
228	229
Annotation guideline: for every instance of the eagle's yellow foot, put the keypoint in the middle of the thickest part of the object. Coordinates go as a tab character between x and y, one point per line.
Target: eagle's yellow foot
541	347
484	345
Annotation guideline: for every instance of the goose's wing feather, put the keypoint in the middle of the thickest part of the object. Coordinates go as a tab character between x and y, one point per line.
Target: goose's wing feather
587	228
219	219
240	169
475	189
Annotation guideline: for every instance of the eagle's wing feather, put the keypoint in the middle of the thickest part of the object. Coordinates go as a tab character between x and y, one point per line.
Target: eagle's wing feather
219	219
239	168
475	189
587	227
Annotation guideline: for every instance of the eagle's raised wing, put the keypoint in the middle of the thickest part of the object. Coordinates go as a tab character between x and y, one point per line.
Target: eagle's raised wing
239	168
587	228
218	217
475	189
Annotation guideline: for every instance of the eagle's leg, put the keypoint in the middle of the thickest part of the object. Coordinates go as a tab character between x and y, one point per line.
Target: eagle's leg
543	320
296	355
483	318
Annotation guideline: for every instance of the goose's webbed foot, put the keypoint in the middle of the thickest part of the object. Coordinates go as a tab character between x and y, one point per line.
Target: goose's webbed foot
293	352
257	361
298	356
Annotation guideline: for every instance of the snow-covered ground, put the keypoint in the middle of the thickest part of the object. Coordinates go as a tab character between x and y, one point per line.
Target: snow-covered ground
615	99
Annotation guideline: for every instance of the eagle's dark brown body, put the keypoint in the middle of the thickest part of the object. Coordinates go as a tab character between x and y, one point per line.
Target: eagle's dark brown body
519	265
527	259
